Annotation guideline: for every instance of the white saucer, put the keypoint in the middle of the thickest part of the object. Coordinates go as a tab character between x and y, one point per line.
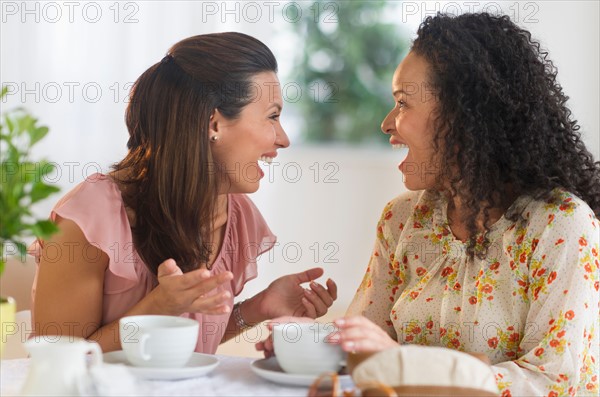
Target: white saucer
199	364
269	369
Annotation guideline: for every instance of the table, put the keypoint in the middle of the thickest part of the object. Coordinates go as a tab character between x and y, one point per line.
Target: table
233	377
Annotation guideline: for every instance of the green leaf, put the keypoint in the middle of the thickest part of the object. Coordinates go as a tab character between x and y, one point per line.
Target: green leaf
28	172
22	249
43	229
9	123
4	91
24	123
35	134
8	171
46	168
40	191
2	261
13	152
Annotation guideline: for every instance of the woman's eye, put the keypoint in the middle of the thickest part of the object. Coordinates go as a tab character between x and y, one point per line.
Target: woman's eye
275	117
401	104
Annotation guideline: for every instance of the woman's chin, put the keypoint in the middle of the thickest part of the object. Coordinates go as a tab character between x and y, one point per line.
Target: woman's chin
246	188
411	184
253	188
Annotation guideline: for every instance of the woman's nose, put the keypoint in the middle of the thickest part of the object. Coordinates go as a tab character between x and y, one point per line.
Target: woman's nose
387	125
281	138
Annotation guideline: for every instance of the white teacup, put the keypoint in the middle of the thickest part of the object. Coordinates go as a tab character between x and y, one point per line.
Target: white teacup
300	348
158	341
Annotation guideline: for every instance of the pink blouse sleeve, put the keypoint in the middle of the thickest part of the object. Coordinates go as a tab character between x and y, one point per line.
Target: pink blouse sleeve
250	237
96	207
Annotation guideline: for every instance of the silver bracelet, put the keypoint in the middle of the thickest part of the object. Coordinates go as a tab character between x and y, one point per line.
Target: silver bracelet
237	317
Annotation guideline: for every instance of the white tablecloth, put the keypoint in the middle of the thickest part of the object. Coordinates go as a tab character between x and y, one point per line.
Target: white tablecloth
233	377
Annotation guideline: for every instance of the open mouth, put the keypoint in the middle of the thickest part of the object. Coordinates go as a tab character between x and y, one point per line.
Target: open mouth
400	146
266	159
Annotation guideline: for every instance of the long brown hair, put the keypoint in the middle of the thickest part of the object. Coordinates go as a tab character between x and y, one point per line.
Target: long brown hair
169	179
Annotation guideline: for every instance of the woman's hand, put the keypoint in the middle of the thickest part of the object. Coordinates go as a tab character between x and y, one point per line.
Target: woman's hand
266	346
286	297
359	335
179	293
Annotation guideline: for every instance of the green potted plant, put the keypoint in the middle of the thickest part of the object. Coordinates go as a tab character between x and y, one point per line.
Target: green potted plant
21	185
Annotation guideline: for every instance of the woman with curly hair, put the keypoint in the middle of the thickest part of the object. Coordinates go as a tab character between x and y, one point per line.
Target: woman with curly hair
494	249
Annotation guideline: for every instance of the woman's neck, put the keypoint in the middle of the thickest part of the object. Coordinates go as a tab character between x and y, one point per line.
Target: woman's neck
457	212
221	211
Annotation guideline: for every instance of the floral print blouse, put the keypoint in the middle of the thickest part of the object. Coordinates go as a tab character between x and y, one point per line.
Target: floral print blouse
532	305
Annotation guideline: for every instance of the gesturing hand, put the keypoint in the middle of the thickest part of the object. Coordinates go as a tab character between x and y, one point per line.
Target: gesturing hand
286	297
192	292
358	334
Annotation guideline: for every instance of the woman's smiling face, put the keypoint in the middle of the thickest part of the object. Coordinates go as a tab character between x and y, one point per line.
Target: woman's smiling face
410	123
256	134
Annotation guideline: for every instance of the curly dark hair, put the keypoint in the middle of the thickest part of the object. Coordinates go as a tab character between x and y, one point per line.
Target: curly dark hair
502	120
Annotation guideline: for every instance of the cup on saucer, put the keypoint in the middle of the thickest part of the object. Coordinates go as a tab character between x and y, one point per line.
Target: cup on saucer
301	348
158	341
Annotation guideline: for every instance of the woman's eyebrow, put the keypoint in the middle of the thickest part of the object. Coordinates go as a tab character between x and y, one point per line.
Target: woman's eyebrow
401	91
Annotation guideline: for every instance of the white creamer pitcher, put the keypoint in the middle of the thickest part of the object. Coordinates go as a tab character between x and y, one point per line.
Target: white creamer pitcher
59	365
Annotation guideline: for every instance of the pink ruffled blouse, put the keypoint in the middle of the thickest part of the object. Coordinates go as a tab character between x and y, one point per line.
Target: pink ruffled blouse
97	207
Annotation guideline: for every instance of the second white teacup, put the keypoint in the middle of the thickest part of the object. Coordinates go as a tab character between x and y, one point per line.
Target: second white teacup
301	348
158	341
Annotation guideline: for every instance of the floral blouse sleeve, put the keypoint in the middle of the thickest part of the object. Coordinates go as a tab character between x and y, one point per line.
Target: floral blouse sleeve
558	354
384	277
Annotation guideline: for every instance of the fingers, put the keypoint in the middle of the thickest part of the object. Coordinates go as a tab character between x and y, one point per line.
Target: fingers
213	304
193	291
320	298
309	275
362	345
354	333
310	310
215	310
168	268
358	334
266	346
322	293
191	279
316	301
355	321
203	278
332	288
206	285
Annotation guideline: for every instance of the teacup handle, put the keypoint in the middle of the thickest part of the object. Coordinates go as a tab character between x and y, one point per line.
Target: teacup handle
96	351
142	347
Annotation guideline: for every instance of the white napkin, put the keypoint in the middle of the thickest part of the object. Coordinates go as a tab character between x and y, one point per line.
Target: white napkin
113	380
426	366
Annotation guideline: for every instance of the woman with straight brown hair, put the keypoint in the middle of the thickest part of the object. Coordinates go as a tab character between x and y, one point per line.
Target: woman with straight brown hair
170	229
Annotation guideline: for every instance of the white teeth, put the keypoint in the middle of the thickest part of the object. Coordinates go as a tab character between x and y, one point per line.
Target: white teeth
266	159
400	146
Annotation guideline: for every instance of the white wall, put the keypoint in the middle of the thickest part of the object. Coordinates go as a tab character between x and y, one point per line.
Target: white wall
87	135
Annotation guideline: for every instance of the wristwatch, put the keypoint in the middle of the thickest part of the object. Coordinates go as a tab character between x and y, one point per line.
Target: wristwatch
237	317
